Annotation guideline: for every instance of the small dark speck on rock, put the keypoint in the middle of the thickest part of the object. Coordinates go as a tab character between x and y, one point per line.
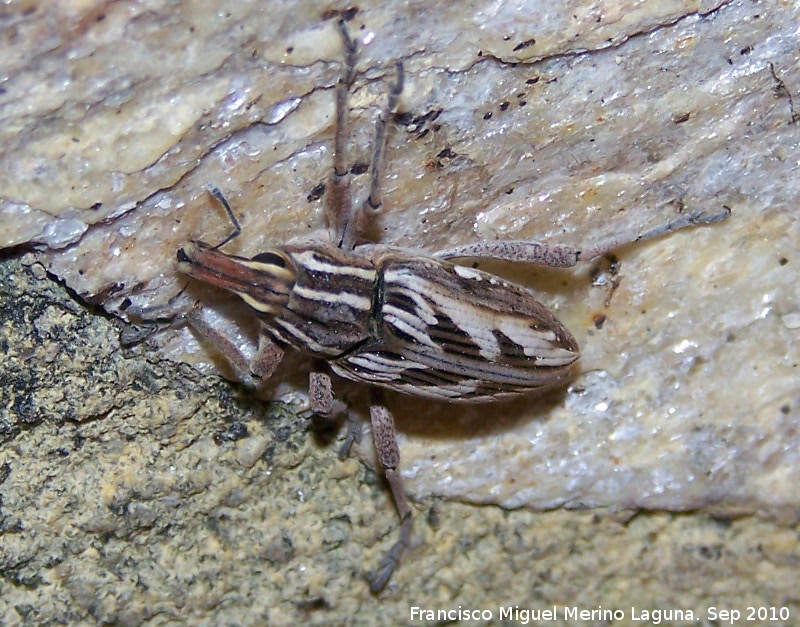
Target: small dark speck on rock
235	431
5	471
283	433
525	44
316	193
433	518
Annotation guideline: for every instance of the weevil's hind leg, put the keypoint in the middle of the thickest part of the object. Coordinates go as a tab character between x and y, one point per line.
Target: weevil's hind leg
558	256
537	253
385	438
360	219
338	200
262	365
696	218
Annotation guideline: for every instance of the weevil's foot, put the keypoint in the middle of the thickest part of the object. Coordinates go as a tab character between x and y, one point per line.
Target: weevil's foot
146	320
378	581
392	560
710	218
132	334
353	435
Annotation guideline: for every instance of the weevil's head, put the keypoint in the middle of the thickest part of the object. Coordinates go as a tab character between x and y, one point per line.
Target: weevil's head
264	282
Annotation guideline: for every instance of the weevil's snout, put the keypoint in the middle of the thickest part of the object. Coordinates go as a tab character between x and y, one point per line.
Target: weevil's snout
184	257
263	282
188	254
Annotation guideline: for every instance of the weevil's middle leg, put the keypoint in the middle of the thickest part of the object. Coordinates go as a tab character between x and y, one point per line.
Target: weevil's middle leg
385	438
352	435
320	395
321	402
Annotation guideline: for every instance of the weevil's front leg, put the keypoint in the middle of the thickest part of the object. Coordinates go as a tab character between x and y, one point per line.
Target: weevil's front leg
144	321
556	256
339	202
385	438
361	217
263	364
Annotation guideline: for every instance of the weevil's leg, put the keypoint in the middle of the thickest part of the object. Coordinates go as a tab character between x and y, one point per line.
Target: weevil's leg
132	334
261	366
147	320
385	438
556	256
173	309
266	360
321	402
352	435
375	198
511	250
338	201
320	395
219	341
373	203
685	220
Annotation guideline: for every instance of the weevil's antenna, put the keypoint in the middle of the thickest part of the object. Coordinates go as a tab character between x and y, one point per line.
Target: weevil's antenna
218	196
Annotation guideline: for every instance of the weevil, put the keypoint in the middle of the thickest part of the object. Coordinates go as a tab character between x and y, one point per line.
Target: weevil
394	319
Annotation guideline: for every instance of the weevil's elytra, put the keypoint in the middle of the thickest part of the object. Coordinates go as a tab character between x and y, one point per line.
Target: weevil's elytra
394	319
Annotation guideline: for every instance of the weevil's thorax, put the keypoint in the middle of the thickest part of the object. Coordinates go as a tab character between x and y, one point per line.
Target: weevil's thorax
330	306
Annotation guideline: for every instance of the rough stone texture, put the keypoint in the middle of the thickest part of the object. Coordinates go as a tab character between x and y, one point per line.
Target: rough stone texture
134	489
128	489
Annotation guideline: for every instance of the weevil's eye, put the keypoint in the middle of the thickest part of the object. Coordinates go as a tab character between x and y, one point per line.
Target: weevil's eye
273	259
